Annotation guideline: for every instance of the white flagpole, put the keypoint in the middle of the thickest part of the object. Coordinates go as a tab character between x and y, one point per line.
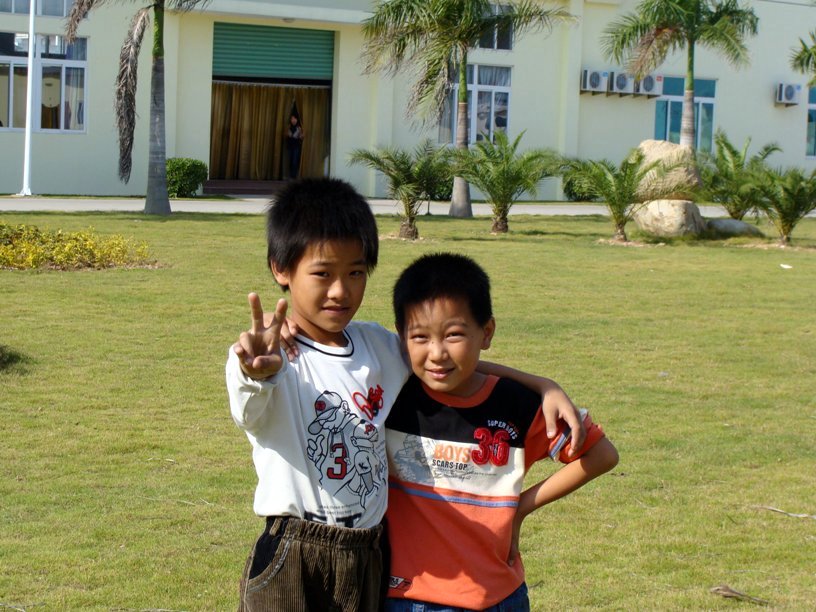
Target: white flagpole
32	42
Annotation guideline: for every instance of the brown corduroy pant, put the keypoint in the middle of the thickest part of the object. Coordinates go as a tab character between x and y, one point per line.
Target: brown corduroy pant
303	566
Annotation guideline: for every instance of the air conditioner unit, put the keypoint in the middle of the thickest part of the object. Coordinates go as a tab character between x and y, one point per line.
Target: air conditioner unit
650	85
788	94
594	81
621	83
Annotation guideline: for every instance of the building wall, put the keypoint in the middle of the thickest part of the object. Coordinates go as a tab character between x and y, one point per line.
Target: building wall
610	125
80	163
746	96
368	110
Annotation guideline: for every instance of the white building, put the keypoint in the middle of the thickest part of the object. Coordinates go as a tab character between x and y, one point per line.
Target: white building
234	69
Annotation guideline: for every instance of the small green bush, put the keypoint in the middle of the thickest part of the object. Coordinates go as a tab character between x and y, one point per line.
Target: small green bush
444	189
184	176
26	247
572	191
433	171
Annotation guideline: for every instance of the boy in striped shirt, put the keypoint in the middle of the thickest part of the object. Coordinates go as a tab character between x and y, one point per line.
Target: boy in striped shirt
459	443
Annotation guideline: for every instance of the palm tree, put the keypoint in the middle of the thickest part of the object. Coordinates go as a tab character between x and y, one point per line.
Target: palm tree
433	37
625	188
643	39
408	175
803	58
787	197
502	174
729	176
156	199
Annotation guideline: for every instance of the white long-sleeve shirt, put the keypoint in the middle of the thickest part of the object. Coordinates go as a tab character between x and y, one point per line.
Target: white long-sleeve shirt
317	427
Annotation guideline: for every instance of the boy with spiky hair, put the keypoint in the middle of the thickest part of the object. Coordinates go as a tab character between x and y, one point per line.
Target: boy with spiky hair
459	444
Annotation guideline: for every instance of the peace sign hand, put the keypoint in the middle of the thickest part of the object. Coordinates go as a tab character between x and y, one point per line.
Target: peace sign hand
258	349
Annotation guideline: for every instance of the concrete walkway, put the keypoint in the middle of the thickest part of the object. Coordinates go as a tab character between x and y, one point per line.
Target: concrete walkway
257	205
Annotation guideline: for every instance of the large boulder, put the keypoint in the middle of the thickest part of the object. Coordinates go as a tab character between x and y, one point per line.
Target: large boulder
684	178
670	218
729	228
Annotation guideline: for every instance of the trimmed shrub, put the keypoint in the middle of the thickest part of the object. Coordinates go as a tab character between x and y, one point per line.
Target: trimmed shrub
26	247
572	191
440	187
184	176
433	172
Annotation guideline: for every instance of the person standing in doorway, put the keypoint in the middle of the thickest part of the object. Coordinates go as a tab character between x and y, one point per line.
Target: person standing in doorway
294	144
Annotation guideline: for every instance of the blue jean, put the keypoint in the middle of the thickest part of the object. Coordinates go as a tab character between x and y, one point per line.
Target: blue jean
517	601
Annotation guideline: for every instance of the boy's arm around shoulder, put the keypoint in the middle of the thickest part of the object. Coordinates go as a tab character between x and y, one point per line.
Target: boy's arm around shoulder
555	403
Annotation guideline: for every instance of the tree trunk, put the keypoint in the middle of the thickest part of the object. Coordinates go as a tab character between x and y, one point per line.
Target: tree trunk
408	230
500	225
157	201
460	198
687	135
620	234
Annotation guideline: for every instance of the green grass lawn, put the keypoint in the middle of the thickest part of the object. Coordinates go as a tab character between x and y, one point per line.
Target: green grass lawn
124	483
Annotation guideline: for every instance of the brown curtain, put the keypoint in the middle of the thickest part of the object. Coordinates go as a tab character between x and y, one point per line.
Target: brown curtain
49	117
249	124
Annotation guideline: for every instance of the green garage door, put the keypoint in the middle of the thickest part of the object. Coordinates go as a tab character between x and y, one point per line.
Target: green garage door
266	52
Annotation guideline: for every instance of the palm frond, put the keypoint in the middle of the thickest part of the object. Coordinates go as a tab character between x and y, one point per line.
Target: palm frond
725	28
431	168
653	48
524	16
501	172
431	38
641	40
435	79
125	91
731	177
803	58
787	197
682	13
623	188
639	43
394	32
79	10
398	167
622	37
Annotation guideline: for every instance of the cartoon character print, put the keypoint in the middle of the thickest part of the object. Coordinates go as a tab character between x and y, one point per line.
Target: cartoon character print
411	460
368	470
342	448
333	415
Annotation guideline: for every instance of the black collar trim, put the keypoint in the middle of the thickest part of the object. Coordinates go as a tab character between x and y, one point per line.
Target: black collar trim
333	351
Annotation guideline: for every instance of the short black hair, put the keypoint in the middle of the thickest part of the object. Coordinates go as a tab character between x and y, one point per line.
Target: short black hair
443	275
317	210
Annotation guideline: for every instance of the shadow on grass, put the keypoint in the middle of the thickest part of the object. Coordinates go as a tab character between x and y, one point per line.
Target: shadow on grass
13	361
592	235
180	216
122	215
522	236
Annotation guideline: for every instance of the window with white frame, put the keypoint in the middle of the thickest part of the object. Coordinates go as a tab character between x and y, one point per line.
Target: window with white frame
489	86
669	111
45	8
501	35
811	123
59	82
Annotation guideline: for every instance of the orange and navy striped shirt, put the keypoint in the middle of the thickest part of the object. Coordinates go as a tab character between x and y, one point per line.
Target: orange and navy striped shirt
456	469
